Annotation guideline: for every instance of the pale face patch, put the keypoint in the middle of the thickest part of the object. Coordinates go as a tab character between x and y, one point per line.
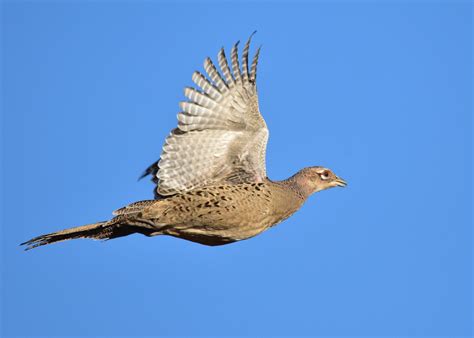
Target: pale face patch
324	174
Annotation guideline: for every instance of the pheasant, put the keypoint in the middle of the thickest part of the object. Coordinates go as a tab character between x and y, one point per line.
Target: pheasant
211	182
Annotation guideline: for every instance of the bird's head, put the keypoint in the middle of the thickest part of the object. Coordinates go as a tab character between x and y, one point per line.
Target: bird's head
314	179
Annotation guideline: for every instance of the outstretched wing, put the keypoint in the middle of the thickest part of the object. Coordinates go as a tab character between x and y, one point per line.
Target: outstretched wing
221	135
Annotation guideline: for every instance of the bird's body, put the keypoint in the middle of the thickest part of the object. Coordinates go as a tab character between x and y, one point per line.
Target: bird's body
223	214
211	178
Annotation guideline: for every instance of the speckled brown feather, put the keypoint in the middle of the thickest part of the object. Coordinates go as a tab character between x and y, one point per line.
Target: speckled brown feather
223	214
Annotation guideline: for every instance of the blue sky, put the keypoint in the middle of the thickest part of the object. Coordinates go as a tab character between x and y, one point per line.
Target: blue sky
380	93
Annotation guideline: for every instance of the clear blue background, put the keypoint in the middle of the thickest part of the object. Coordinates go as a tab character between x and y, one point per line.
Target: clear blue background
380	93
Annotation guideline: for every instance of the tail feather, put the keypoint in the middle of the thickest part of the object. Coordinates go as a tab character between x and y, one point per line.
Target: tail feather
117	227
95	231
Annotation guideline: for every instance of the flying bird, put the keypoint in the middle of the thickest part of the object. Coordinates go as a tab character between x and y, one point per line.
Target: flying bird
211	182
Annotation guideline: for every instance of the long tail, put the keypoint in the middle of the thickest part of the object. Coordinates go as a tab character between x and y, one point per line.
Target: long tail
116	227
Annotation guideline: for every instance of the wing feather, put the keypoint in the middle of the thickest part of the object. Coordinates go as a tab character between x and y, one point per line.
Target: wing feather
215	75
221	135
235	63
201	99
245	60
201	81
253	70
225	68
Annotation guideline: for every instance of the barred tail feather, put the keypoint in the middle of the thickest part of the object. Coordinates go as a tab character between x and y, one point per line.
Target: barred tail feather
117	227
95	231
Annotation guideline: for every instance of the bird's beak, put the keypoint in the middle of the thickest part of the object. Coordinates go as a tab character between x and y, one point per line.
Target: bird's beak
340	182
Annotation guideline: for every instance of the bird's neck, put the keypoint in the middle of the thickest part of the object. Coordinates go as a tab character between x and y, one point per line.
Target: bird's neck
298	184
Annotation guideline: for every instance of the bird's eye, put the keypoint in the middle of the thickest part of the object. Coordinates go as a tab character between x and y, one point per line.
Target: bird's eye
324	175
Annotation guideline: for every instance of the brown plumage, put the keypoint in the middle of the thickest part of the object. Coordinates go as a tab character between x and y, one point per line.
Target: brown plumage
211	183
